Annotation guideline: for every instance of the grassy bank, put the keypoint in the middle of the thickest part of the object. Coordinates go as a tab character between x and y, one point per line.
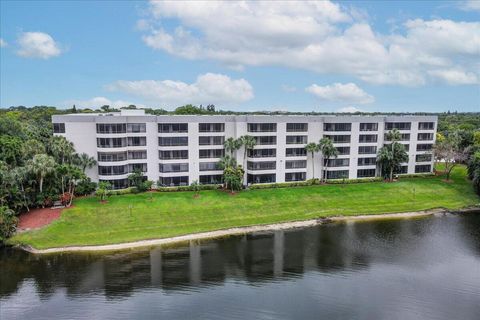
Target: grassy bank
160	215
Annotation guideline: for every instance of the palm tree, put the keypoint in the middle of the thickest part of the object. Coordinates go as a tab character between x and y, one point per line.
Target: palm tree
226	162
313	148
231	145
328	151
248	142
62	149
394	136
390	157
85	161
41	165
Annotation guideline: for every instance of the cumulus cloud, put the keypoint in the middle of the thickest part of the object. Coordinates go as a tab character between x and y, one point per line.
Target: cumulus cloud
320	36
209	88
349	109
3	43
37	45
455	77
470	5
97	102
338	92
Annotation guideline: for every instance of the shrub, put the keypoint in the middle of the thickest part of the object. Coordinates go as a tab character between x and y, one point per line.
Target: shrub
85	187
8	223
189	188
120	192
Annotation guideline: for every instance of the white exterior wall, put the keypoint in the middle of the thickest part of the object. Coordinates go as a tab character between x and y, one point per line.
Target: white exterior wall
81	130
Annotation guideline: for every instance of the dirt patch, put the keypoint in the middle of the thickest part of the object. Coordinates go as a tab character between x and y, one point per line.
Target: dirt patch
38	218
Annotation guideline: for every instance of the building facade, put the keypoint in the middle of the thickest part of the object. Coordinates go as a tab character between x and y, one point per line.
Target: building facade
177	150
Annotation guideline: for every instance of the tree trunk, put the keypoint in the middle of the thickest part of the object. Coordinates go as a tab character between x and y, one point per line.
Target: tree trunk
313	165
391	174
71	196
41	184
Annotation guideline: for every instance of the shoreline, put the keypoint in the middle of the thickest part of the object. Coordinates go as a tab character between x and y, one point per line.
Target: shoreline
240	231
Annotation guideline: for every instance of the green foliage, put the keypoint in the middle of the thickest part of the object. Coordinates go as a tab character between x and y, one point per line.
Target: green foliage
233	178
137	180
474	171
85	187
8	223
103	190
189	188
390	157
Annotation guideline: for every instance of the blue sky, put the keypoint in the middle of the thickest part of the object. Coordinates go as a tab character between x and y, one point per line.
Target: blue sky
324	56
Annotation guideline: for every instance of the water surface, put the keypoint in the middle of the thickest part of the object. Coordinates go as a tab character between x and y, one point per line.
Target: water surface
426	268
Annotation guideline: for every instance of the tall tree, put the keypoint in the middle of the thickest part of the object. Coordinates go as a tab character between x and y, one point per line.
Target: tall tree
85	161
61	149
328	151
231	145
41	165
248	142
451	152
390	157
312	148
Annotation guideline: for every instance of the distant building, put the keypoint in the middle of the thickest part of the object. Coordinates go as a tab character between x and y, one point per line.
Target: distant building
176	150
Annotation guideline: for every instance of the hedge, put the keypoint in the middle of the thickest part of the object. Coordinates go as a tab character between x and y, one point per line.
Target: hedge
189	188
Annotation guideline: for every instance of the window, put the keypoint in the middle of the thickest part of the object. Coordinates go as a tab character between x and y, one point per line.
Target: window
172	154
401	170
295	176
111	128
211	140
59	128
425	136
297	127
337	174
111	142
367	138
423	157
118	183
172	127
339	138
337	127
262	127
264	165
371	126
209	166
398	125
403	137
173	167
173	141
426	126
142	167
339	163
266	140
173	181
367	150
367	161
262	153
296	139
136	127
295	164
295	152
261	178
211	127
111	157
211	153
424	146
137	141
112	170
366	173
342	151
137	154
211	179
423	168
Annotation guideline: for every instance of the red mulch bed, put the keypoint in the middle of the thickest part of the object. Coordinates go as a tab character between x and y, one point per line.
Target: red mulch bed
38	218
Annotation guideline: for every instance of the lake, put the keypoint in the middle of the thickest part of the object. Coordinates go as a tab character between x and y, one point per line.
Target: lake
425	268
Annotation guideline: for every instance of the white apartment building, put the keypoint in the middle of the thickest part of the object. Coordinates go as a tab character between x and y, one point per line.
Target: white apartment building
177	150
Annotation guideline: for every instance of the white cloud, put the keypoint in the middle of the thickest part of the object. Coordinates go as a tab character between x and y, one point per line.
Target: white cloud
338	92
208	88
3	43
349	110
319	36
470	5
455	77
97	102
37	45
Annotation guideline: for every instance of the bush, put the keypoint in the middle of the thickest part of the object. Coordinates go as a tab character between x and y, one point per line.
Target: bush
120	192
85	187
8	223
189	188
353	181
416	175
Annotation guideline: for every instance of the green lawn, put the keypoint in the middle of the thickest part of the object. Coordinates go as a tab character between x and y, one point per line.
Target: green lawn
159	215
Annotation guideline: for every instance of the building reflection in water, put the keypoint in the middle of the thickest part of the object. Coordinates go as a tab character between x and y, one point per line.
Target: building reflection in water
255	258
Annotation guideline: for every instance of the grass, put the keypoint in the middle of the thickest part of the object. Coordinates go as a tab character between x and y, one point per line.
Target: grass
160	215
